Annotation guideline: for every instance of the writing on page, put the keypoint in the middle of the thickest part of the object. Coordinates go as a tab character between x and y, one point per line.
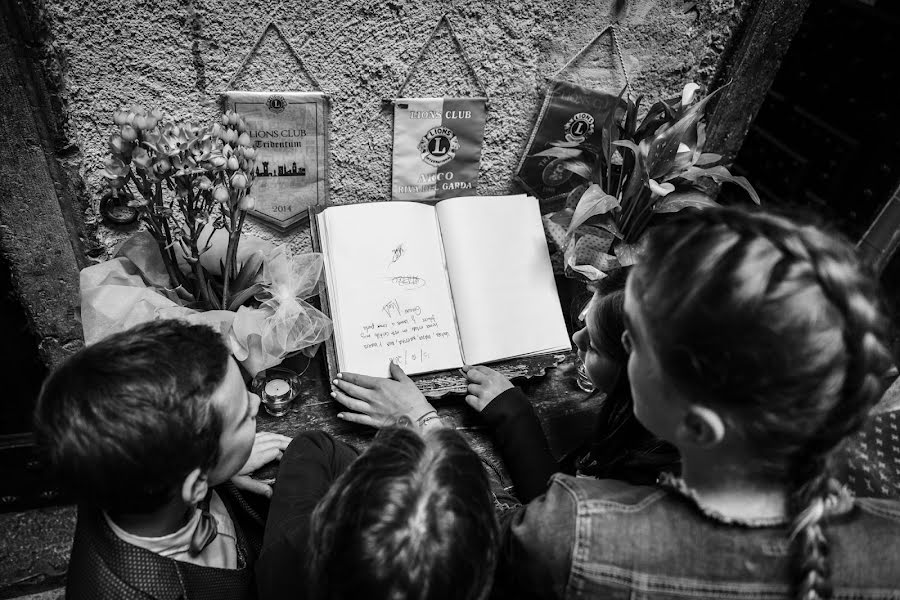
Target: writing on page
390	296
405	333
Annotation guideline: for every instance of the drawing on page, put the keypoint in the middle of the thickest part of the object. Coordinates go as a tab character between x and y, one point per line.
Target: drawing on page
392	309
408	282
396	253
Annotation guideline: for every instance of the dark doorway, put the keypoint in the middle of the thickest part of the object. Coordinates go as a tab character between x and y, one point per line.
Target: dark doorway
827	137
21	368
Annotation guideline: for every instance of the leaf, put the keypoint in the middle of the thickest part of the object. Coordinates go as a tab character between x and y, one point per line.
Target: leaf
631	117
721	174
238	299
574	196
594	201
628	144
664	146
579	167
679	200
248	271
627	253
214	300
707	158
565	144
558	152
609	224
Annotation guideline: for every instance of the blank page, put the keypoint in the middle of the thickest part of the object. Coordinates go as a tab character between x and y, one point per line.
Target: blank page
500	274
387	288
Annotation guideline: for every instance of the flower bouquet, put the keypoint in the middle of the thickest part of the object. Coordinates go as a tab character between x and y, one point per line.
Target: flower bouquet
641	169
190	187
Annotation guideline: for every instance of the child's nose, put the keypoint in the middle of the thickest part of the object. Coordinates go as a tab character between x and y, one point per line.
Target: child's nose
580	338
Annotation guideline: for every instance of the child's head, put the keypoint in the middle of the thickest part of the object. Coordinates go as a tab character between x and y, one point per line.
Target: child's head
599	342
412	517
128	420
621	448
756	333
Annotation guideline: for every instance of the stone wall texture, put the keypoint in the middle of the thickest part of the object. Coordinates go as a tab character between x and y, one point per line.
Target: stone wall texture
179	55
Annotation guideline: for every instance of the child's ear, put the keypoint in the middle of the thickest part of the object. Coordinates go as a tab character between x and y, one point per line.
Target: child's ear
700	427
195	486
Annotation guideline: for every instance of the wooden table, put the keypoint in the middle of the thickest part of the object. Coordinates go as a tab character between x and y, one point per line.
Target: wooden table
565	411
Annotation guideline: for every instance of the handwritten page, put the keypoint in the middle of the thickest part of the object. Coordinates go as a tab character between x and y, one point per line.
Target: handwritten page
499	268
388	289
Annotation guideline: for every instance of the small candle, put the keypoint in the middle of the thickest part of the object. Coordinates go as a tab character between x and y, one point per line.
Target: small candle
277	388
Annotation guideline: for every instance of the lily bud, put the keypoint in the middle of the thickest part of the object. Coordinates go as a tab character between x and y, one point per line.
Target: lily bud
239	181
244	140
233	163
204	183
129	133
140	122
120	117
248	202
218	162
250	153
220	194
117	144
230	136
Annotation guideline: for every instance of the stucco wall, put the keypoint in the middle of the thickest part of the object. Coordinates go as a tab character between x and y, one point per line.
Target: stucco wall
178	55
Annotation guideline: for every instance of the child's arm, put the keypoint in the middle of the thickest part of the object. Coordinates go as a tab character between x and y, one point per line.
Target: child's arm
517	432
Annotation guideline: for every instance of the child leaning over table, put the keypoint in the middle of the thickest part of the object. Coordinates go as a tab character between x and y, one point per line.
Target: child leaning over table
154	431
756	345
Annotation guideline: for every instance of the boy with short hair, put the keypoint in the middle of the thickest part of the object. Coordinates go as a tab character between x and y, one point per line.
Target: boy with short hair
154	430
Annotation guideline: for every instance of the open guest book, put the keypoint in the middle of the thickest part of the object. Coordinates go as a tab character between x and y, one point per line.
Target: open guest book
432	287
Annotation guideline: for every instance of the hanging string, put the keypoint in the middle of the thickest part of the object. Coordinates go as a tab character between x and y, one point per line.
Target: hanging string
462	51
252	51
611	29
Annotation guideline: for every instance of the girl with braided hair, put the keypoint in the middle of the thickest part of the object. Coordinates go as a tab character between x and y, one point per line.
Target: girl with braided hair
757	345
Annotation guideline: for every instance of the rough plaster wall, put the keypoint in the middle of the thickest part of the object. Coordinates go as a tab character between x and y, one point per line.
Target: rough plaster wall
178	55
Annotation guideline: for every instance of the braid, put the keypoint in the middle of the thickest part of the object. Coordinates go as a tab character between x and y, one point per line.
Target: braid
767	265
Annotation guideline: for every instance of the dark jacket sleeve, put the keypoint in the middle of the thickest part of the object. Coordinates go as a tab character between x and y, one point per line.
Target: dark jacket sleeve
521	443
536	542
310	464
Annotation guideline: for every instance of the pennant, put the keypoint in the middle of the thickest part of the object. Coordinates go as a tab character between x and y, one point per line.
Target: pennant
437	147
290	133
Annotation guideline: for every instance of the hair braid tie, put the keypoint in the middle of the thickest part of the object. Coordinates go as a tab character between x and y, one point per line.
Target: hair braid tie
809	517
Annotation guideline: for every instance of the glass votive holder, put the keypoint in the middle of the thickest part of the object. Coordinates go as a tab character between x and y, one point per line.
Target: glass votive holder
277	388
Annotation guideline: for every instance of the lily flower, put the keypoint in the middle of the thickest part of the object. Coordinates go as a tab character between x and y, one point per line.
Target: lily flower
141	158
660	190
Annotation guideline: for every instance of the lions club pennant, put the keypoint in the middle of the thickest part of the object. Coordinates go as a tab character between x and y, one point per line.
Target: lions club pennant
437	147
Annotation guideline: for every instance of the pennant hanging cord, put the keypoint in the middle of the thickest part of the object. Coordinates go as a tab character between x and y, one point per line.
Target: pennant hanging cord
252	51
462	52
611	29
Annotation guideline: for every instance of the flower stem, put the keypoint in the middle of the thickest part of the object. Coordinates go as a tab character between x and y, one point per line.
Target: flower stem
234	239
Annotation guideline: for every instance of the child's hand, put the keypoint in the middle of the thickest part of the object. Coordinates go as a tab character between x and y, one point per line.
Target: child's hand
378	401
267	447
484	385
